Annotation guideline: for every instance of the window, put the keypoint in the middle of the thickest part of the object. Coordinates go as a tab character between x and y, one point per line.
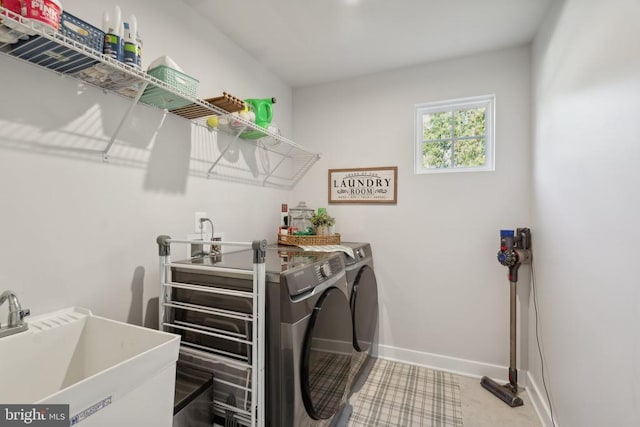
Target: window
455	135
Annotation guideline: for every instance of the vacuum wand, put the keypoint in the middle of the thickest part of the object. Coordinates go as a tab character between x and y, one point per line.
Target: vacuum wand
514	251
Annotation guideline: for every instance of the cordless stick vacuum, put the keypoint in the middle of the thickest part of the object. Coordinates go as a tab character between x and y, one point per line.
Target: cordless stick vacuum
514	251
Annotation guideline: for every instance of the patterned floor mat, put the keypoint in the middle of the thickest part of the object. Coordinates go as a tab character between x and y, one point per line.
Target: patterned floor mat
398	394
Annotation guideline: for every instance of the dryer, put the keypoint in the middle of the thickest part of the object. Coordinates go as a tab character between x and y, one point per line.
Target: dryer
362	287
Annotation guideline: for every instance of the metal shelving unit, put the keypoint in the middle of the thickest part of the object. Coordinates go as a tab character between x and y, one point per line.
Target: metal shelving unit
286	161
251	384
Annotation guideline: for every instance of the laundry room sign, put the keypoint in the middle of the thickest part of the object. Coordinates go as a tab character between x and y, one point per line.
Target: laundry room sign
364	185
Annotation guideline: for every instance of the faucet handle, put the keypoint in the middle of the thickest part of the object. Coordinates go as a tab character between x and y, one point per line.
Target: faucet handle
24	313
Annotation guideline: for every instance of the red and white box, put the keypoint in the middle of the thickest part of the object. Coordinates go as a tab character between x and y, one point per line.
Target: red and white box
38	13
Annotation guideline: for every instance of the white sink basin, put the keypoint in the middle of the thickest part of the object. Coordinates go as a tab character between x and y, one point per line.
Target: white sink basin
110	373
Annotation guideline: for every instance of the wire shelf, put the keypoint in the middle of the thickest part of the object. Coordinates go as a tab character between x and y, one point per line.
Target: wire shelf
282	162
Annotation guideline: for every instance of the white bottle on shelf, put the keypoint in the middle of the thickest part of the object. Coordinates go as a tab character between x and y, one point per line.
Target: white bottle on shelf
130	44
113	29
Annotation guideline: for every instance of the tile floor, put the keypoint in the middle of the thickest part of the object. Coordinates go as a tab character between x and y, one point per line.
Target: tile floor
482	409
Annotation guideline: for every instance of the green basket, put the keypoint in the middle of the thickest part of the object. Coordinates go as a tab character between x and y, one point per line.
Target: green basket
161	98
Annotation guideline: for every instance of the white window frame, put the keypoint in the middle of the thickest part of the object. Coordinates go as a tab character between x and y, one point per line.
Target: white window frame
487	101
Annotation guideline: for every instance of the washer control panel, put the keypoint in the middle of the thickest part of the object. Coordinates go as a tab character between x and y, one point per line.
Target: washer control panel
327	269
308	277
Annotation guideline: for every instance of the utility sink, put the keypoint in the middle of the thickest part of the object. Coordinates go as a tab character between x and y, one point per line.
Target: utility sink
109	372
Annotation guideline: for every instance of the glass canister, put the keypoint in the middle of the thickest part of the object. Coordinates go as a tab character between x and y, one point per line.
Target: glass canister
301	218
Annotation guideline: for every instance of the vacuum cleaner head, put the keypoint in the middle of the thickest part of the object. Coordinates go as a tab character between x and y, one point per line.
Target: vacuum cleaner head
502	392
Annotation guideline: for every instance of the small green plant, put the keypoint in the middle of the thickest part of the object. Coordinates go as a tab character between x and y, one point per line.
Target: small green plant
322	218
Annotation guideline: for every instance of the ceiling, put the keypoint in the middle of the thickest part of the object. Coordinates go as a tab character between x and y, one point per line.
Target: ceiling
307	42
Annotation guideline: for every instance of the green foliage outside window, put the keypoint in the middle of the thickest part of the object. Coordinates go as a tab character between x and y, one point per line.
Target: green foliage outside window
442	147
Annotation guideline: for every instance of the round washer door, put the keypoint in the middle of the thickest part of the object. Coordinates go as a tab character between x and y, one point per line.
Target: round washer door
364	308
326	355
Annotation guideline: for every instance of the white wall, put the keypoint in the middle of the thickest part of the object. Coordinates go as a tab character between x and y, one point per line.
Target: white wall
443	296
76	231
585	210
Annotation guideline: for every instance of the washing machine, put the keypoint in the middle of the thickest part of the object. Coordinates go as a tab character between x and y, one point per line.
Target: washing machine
316	354
309	345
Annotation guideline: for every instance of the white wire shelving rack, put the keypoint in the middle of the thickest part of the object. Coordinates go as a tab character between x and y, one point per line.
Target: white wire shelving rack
290	161
253	363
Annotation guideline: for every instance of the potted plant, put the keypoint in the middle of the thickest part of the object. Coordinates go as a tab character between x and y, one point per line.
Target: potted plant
322	221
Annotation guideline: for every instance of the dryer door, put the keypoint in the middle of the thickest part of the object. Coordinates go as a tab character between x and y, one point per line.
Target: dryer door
326	355
364	308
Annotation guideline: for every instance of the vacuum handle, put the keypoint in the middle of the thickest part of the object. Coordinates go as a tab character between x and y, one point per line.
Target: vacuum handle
523	241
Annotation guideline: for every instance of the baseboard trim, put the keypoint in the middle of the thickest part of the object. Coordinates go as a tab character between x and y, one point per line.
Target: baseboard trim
469	368
539	402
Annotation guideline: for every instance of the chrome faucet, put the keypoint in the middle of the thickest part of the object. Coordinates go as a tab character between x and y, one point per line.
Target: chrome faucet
15	321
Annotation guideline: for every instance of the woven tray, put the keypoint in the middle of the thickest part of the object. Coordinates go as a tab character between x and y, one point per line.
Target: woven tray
292	240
